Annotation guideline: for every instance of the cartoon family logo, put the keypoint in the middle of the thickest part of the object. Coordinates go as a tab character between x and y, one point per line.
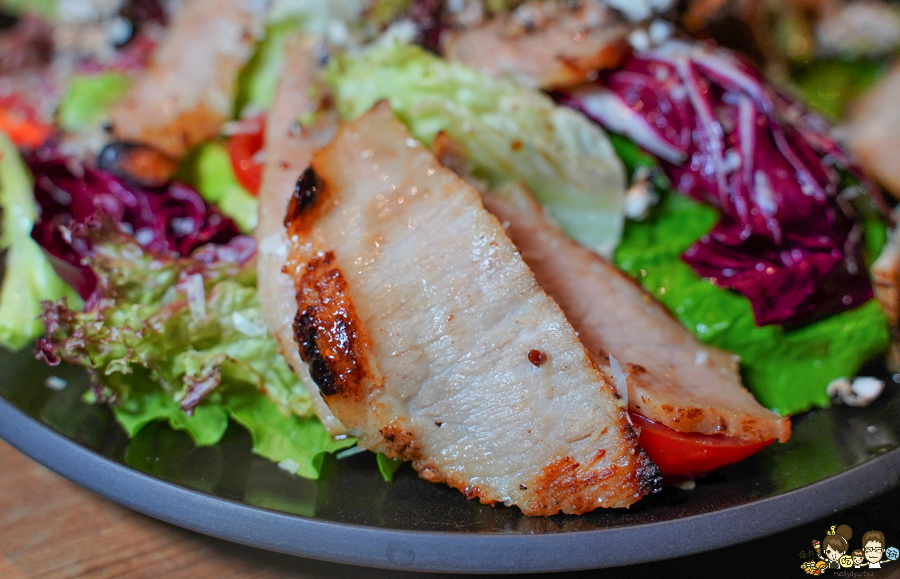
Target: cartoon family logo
834	553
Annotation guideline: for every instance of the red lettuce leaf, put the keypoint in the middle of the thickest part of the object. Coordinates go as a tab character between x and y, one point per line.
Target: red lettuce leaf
172	219
788	238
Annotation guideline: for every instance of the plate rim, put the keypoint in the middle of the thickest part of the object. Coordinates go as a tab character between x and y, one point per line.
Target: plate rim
439	551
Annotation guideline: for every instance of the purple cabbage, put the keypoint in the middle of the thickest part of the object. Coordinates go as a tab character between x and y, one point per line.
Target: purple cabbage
788	239
172	219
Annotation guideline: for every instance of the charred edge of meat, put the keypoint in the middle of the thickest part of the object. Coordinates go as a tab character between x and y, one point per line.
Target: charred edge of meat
648	478
137	163
328	330
306	334
399	442
566	481
307	193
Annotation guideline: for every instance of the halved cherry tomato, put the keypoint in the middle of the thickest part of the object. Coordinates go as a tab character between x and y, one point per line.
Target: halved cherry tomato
18	121
243	148
681	454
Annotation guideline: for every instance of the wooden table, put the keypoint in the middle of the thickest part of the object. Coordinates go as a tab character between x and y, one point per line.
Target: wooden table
51	528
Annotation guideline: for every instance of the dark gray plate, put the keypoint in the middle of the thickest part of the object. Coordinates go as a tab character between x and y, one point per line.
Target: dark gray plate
836	458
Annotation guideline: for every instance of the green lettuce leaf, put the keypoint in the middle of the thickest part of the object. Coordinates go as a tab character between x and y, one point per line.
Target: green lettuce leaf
828	86
146	403
44	8
507	133
183	340
298	444
89	98
786	371
259	79
388	466
208	169
28	278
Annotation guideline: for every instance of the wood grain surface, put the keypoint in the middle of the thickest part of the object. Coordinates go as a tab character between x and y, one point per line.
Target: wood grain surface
51	528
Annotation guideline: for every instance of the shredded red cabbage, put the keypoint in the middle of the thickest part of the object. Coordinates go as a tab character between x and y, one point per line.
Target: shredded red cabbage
788	239
172	219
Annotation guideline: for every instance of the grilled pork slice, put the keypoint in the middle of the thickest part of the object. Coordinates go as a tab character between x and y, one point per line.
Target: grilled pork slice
431	341
188	90
873	131
674	379
547	44
289	149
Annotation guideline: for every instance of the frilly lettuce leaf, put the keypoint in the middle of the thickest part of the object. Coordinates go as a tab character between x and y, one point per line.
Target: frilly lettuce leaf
507	133
183	340
28	278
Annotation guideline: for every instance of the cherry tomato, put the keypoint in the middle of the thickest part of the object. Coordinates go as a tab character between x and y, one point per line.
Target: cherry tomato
18	121
243	148
684	454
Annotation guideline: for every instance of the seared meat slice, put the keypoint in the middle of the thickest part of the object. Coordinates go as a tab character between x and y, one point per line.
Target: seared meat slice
289	149
431	341
674	379
873	131
543	44
188	90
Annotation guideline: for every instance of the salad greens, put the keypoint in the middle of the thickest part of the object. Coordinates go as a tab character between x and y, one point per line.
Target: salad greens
89	99
29	278
507	133
173	330
829	85
208	169
183	340
258	81
45	8
787	371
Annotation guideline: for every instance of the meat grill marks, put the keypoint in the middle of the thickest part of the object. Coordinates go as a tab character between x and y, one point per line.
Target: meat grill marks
674	379
331	338
418	317
289	148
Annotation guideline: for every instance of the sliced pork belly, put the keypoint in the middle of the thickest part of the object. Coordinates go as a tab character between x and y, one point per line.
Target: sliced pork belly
873	131
543	44
289	149
431	341
674	379
188	90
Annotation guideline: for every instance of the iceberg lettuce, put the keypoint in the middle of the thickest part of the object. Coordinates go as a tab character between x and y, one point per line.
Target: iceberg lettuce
28	278
506	132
